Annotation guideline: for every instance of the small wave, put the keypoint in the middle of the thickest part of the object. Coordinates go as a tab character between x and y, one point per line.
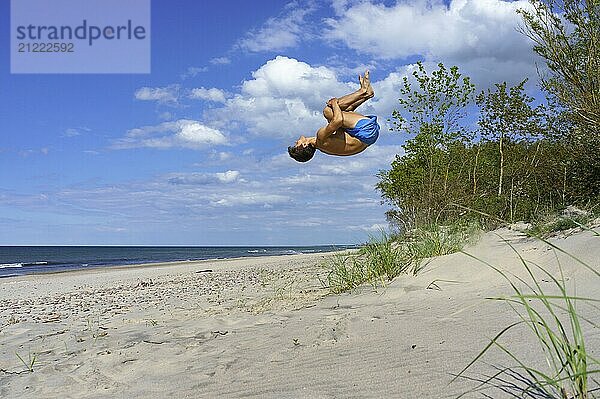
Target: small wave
256	251
9	275
21	264
10	265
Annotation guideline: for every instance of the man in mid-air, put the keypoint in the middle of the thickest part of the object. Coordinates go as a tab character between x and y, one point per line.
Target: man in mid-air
347	132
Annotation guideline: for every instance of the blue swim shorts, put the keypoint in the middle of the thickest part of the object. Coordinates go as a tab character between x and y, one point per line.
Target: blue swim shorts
366	130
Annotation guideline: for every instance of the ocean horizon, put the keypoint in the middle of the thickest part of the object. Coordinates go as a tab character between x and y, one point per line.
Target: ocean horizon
23	260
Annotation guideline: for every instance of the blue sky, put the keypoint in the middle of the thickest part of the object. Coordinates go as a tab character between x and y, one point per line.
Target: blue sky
195	152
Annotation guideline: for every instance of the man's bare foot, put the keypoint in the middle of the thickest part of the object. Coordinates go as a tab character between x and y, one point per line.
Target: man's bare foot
366	84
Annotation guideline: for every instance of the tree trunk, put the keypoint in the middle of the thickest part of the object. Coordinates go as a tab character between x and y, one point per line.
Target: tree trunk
475	169
564	190
501	165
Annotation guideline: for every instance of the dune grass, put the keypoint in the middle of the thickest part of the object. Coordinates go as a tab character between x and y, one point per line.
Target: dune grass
30	362
555	322
437	240
554	222
386	257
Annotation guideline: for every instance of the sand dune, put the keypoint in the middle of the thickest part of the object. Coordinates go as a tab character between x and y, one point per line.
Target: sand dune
266	327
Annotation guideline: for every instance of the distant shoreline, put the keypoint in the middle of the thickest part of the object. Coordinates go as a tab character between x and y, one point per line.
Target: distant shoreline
161	265
47	260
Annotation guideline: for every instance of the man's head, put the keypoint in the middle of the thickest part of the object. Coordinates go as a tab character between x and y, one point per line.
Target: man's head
303	150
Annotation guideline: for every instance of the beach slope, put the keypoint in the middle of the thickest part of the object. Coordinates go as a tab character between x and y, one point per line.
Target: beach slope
267	327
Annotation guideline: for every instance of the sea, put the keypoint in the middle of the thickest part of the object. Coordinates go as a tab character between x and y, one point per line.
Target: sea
22	260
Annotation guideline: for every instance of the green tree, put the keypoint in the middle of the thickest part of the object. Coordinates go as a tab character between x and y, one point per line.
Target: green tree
566	34
419	184
435	108
507	117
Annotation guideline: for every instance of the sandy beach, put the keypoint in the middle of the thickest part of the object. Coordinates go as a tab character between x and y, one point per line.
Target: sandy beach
268	327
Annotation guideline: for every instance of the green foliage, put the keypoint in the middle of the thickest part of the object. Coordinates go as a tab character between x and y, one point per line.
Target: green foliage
382	257
516	165
507	117
562	224
436	108
566	34
345	273
545	225
422	183
378	260
435	240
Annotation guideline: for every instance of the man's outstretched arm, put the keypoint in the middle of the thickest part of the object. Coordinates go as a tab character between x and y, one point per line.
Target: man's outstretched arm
335	122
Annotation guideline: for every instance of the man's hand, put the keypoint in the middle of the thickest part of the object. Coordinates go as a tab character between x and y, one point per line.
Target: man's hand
334	124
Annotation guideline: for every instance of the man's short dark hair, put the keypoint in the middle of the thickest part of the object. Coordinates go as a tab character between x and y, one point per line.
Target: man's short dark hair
302	153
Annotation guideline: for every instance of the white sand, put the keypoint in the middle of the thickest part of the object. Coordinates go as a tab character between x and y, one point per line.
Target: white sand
266	327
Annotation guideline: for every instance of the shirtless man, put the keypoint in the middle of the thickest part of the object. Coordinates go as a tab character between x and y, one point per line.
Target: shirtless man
347	132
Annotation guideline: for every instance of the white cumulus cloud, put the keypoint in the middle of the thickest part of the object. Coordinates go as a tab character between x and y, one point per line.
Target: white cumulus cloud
182	133
167	94
220	61
479	35
279	33
284	98
212	94
465	29
230	176
192	71
250	199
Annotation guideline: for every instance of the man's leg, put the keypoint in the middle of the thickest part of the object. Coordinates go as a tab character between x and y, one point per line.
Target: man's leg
351	101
